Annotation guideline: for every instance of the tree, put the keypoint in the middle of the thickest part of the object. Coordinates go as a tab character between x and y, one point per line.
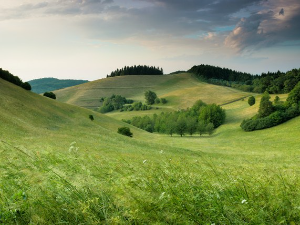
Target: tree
125	131
150	97
294	95
181	126
157	101
212	114
191	124
265	106
201	127
251	100
210	128
50	95
26	86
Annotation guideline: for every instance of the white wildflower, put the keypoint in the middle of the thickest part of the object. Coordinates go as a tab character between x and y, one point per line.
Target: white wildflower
244	201
162	195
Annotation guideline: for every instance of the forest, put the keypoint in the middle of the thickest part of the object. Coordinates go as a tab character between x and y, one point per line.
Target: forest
137	70
5	75
272	82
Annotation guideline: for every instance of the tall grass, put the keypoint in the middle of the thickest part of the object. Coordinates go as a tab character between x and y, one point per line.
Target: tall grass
70	188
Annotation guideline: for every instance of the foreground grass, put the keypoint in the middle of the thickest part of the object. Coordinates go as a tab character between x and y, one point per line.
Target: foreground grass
72	187
58	167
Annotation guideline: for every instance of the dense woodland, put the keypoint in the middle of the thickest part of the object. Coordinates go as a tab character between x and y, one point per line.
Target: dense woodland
274	83
5	75
137	70
201	118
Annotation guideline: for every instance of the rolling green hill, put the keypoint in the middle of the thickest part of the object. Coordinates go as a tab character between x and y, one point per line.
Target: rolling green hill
182	90
57	166
50	84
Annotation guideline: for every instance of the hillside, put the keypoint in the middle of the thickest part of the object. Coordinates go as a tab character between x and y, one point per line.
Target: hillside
50	84
181	90
57	166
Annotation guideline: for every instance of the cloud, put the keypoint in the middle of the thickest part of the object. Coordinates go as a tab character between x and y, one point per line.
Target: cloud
276	23
258	23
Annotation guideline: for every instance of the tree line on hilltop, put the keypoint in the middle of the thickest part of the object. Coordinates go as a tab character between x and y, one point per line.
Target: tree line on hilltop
136	70
5	75
272	82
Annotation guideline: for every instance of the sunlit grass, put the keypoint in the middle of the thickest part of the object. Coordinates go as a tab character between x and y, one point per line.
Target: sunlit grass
58	167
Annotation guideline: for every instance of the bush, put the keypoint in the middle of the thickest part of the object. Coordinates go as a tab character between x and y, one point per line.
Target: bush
157	101
125	131
163	100
50	95
251	100
91	117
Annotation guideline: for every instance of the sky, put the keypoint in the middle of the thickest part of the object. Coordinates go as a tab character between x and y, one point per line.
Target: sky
87	39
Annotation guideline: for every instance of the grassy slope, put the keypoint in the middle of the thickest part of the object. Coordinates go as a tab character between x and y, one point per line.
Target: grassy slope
182	90
190	180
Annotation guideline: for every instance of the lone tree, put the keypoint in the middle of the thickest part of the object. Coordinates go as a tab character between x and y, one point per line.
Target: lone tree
50	95
91	117
265	106
251	100
125	131
150	97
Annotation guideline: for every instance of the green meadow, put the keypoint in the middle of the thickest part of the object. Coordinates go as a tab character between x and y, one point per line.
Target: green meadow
59	167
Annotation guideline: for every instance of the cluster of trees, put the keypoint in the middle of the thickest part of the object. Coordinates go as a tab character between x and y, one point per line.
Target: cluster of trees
118	102
274	113
5	75
201	118
50	95
151	98
214	72
274	83
137	70
136	106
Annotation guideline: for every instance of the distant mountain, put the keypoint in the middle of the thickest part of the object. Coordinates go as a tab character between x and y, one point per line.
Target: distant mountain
50	84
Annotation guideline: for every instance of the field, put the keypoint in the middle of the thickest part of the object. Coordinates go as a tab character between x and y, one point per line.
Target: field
182	90
58	167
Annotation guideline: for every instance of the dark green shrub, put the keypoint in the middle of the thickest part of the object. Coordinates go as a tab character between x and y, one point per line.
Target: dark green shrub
50	95
251	100
91	117
157	101
125	131
163	100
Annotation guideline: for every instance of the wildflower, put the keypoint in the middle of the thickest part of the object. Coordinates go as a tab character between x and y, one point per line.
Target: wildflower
161	152
244	201
162	195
